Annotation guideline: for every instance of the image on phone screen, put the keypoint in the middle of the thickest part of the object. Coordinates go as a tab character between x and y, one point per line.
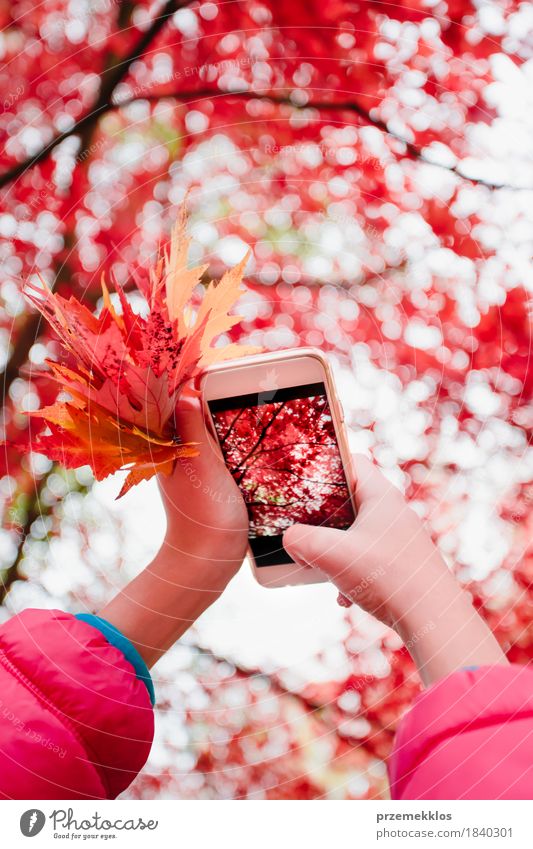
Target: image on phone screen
280	446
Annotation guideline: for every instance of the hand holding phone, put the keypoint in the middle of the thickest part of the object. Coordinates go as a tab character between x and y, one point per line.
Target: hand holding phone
388	564
279	425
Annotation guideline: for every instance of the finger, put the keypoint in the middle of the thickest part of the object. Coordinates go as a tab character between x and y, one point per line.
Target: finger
189	420
371	483
191	396
190	426
327	549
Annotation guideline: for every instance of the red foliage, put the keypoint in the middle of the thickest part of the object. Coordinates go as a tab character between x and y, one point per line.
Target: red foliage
304	131
127	371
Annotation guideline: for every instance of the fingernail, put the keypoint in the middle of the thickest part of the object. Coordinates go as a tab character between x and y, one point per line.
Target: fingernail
344	601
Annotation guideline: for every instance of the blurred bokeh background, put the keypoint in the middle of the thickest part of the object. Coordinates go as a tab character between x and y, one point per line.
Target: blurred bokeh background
378	159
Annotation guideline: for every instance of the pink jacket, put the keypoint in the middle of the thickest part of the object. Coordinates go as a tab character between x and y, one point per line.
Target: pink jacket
469	736
76	720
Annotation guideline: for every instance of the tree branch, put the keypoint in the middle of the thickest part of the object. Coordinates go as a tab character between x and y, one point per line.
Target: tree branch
109	80
412	151
29	332
12	574
36	510
223	439
240	465
282	471
314	282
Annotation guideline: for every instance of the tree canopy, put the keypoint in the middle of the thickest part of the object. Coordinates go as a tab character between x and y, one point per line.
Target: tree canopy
376	159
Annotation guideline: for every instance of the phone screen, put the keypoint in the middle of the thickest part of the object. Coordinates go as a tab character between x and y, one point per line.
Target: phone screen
280	446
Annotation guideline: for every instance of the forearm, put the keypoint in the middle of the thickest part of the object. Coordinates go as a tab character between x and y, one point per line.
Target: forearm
161	603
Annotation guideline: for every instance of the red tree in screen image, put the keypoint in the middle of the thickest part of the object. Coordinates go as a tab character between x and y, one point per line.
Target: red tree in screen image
285	459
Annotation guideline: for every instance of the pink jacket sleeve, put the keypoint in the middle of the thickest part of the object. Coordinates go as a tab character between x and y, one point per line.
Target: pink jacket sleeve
75	720
470	736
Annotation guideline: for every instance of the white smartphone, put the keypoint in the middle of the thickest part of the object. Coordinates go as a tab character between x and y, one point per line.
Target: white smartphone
279	424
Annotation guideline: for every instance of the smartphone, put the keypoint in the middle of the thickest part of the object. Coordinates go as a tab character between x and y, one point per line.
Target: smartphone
280	427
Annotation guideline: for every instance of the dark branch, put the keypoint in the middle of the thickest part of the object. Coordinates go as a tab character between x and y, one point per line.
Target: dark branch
37	509
110	79
312	282
282	471
12	573
28	334
223	439
411	150
277	687
262	433
108	83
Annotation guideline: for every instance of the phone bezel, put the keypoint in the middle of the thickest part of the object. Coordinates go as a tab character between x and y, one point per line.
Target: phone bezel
294	367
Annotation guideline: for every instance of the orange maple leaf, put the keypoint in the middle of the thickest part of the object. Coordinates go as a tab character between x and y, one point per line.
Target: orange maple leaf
129	369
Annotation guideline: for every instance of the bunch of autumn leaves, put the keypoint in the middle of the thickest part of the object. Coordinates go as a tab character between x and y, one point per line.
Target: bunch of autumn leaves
125	371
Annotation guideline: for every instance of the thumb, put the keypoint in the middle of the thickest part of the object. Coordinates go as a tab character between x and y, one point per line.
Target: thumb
190	474
192	426
326	549
189	422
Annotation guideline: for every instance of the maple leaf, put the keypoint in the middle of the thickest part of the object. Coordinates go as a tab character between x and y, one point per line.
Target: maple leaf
128	370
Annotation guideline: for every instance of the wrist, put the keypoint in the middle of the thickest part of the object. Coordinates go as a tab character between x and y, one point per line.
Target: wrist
448	634
423	598
167	597
204	563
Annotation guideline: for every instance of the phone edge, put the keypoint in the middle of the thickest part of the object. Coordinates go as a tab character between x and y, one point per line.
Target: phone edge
284	572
